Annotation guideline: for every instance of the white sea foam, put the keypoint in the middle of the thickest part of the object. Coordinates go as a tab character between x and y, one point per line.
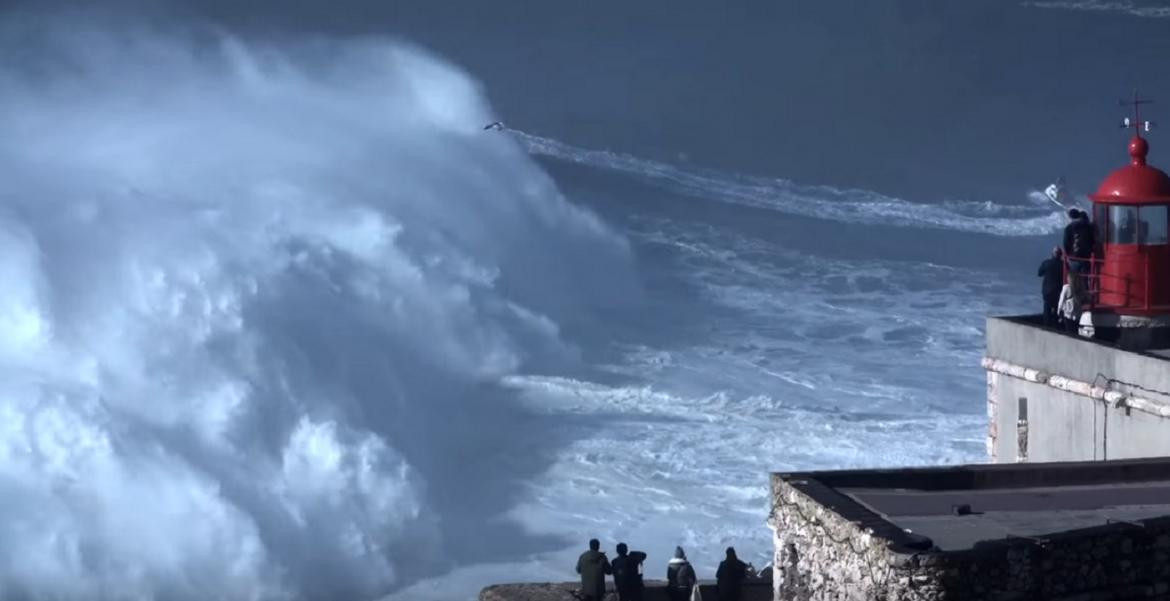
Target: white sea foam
793	361
800	362
671	469
821	202
1149	10
804	312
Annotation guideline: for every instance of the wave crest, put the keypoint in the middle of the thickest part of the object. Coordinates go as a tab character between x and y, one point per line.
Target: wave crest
256	300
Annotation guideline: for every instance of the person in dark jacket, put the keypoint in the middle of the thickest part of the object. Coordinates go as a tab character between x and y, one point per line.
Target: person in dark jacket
730	576
1079	241
1052	270
593	566
627	573
680	576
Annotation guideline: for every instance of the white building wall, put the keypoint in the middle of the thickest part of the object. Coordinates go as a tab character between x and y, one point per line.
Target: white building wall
1083	400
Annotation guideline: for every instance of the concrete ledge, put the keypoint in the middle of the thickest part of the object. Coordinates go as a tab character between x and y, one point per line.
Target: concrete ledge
1022	341
1085	389
992	475
754	590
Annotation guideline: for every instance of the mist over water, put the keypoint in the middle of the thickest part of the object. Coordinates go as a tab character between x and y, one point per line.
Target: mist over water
252	316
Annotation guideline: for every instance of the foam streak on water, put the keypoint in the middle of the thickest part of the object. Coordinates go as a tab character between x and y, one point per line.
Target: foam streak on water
1150	10
821	202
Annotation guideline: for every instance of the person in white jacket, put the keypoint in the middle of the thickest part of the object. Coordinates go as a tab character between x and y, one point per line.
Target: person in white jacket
1069	307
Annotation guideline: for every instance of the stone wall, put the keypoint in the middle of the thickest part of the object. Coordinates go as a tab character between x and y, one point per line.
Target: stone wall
821	555
1115	561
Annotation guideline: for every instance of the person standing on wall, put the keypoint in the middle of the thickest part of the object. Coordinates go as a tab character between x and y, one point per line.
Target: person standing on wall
1079	241
730	576
593	566
1068	308
627	573
1052	270
680	576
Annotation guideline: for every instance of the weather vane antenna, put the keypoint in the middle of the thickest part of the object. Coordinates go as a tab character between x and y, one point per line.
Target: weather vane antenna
1136	123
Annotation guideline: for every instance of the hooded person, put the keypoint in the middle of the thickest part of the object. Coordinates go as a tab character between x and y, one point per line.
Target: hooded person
1079	240
593	565
680	576
627	573
730	576
1052	270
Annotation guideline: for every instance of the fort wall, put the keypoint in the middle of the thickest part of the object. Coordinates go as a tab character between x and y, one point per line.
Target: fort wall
829	547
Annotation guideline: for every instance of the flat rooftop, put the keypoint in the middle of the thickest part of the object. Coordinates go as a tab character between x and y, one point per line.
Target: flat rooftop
1036	501
1037	321
1000	514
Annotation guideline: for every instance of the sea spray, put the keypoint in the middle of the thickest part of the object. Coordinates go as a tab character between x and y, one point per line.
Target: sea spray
255	301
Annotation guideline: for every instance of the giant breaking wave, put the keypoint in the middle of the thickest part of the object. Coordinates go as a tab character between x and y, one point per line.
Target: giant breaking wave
255	305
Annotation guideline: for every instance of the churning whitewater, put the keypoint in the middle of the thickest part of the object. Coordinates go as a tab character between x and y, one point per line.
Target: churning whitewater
254	305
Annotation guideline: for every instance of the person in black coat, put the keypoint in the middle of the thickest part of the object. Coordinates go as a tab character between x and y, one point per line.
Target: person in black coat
1052	270
627	573
1079	240
730	576
680	576
593	566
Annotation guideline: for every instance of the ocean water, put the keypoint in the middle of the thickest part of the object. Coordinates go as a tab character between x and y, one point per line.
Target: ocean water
280	320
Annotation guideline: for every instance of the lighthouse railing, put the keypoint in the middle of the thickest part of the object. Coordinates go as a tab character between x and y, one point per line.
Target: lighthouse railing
1097	281
1090	281
1146	276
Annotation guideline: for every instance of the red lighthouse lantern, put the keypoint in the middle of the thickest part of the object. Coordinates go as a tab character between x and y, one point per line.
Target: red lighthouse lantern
1131	210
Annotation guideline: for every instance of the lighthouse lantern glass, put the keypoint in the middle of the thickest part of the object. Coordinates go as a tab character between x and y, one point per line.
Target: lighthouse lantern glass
1153	225
1122	224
